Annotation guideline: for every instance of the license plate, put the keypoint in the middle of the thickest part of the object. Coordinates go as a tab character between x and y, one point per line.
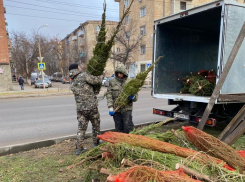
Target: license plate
181	116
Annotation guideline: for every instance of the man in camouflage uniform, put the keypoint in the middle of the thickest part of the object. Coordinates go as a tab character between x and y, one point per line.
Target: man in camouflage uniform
86	102
123	116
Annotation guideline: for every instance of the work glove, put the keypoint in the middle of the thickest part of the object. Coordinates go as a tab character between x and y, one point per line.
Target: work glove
111	111
131	97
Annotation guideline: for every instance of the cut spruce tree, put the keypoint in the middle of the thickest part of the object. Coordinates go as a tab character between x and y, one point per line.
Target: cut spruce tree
101	53
132	87
200	84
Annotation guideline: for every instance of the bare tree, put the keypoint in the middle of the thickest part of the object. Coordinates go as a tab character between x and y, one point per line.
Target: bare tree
50	56
128	40
69	53
73	52
25	52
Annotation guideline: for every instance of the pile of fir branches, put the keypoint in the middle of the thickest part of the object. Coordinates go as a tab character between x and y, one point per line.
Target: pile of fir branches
200	84
101	53
126	156
133	87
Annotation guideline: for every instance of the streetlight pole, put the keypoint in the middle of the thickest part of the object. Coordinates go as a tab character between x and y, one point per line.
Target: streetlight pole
40	55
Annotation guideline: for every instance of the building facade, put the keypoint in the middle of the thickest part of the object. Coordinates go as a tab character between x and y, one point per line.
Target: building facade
144	12
5	71
78	46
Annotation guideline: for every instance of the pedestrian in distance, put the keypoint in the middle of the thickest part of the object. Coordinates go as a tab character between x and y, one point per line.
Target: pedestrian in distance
86	103
21	82
122	117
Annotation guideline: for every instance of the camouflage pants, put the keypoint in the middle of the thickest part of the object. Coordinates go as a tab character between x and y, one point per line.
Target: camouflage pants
83	118
123	121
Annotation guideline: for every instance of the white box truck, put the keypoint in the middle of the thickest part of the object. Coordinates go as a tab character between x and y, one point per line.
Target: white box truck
193	40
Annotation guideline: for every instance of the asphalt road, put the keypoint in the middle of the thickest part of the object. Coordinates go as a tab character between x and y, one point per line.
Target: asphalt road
26	120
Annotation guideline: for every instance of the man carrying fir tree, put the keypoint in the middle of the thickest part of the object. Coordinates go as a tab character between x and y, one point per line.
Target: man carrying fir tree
86	102
123	116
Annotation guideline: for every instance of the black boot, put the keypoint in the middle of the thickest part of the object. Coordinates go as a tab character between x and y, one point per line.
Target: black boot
98	143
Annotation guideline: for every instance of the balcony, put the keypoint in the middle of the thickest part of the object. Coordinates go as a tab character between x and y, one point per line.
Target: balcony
82	55
80	33
74	38
82	43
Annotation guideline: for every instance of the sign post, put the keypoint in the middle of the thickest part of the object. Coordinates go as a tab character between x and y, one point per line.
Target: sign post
41	66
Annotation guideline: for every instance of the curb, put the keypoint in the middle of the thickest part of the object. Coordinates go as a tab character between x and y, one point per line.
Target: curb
13	149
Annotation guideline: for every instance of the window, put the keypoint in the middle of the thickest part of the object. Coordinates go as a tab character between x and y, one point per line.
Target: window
142	67
97	28
127	19
142	30
142	11
118	49
183	5
126	3
127	35
142	49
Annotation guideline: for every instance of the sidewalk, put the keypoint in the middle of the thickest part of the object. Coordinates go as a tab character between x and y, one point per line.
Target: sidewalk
30	91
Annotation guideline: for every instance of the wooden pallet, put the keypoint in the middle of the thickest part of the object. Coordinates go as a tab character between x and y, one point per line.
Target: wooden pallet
235	129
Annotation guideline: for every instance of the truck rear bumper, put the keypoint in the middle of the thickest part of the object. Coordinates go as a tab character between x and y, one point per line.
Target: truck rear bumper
183	117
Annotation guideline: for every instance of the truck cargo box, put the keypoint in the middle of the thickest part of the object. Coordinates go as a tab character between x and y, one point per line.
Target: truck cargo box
196	39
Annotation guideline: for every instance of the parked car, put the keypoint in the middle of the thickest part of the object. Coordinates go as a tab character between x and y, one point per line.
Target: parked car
57	76
39	84
33	80
48	81
106	84
103	81
65	80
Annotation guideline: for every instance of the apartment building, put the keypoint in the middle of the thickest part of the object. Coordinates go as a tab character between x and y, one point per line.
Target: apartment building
5	71
79	44
144	12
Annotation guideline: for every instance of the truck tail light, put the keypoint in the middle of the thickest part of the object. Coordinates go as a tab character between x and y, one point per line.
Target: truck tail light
155	111
210	121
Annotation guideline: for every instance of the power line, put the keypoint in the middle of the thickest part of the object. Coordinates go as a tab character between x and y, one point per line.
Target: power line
31	16
84	14
77	5
131	12
46	7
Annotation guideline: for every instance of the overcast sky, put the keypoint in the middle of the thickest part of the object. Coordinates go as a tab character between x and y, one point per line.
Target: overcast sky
62	16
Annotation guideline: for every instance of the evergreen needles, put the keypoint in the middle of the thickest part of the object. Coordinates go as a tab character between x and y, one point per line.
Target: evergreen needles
101	53
133	87
200	84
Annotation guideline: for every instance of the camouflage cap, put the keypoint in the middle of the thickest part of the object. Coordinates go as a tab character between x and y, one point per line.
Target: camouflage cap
73	66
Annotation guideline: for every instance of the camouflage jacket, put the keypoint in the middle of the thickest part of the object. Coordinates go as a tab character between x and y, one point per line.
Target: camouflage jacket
115	87
82	88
